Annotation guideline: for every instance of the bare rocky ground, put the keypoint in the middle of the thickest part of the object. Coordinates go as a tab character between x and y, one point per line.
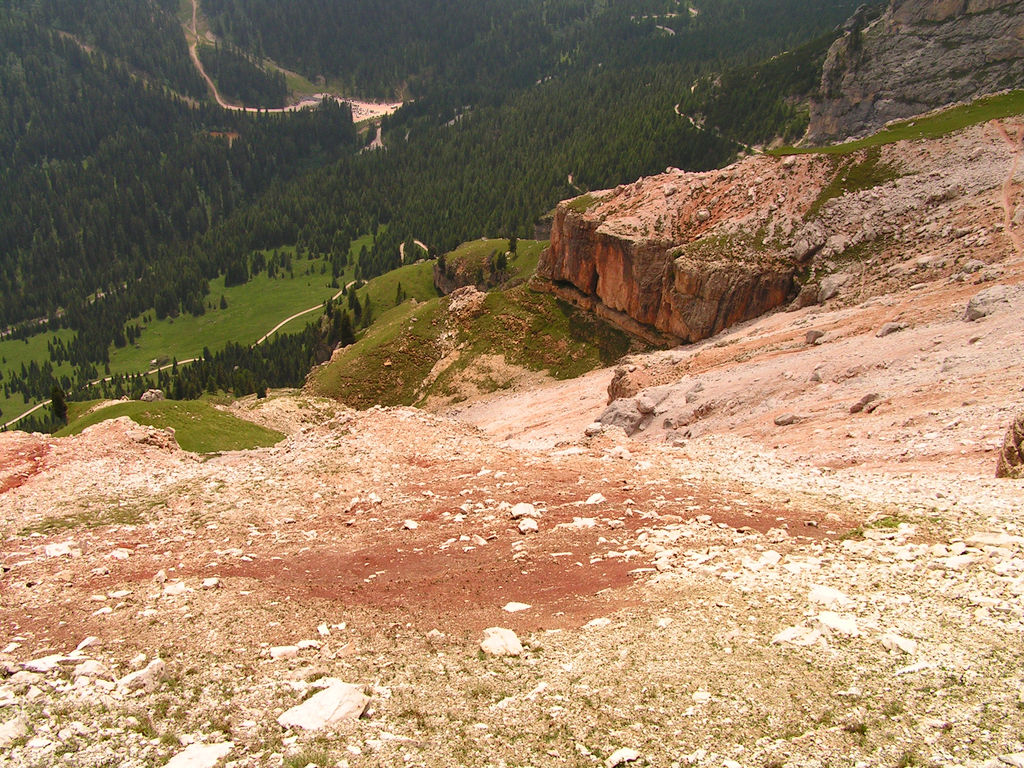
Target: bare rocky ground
716	588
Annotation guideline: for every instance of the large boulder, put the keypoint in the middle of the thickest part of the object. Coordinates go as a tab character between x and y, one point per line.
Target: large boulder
624	413
337	702
1011	456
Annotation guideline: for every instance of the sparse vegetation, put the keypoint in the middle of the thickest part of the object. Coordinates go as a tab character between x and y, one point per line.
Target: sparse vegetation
929	127
865	171
198	426
582	203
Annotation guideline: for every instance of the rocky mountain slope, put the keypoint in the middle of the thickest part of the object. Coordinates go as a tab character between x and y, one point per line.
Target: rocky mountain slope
920	55
781	545
680	256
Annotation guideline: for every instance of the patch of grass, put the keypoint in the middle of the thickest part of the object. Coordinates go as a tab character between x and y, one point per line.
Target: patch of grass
199	427
318	756
582	203
939	124
108	515
387	364
888	521
908	759
417	281
473	261
856	727
855	175
893	708
253	309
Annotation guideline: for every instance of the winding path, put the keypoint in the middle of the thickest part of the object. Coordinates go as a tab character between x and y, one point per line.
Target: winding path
150	372
361	110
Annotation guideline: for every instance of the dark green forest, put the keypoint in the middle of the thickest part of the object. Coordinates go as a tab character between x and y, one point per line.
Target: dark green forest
123	190
240	79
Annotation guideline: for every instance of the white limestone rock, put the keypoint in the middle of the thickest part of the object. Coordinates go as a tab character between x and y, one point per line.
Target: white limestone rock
499	641
339	701
621	756
843	625
201	755
893	642
829	597
145	679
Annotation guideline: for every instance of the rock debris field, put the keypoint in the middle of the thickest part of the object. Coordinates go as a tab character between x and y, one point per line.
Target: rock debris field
774	548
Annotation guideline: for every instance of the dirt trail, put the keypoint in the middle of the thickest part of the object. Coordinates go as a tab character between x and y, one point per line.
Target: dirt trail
361	110
151	371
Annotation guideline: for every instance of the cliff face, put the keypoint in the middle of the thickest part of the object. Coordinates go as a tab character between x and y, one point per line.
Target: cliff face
920	55
680	256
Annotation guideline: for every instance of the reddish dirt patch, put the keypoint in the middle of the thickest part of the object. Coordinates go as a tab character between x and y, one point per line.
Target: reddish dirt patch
19	463
451	591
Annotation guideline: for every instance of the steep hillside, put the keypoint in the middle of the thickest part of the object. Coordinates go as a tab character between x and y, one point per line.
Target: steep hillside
920	55
469	342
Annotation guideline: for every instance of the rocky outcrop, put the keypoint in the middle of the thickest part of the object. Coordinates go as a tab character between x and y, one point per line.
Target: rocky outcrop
680	256
454	270
918	56
1011	457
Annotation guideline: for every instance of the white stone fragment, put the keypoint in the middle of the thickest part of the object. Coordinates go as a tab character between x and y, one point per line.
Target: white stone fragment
513	607
93	669
46	664
528	525
175	588
145	679
596	498
200	755
522	509
284	652
621	756
499	641
339	701
828	597
61	549
801	636
844	625
12	730
893	642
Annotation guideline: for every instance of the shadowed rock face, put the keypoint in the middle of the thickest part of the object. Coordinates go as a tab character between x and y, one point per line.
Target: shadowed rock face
658	291
1011	457
681	256
920	55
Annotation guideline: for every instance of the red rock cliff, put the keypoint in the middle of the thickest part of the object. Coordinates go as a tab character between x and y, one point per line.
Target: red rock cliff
680	256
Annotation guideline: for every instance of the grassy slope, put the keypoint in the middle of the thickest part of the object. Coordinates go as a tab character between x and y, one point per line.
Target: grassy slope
533	330
417	282
476	253
939	124
253	309
15	353
198	426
